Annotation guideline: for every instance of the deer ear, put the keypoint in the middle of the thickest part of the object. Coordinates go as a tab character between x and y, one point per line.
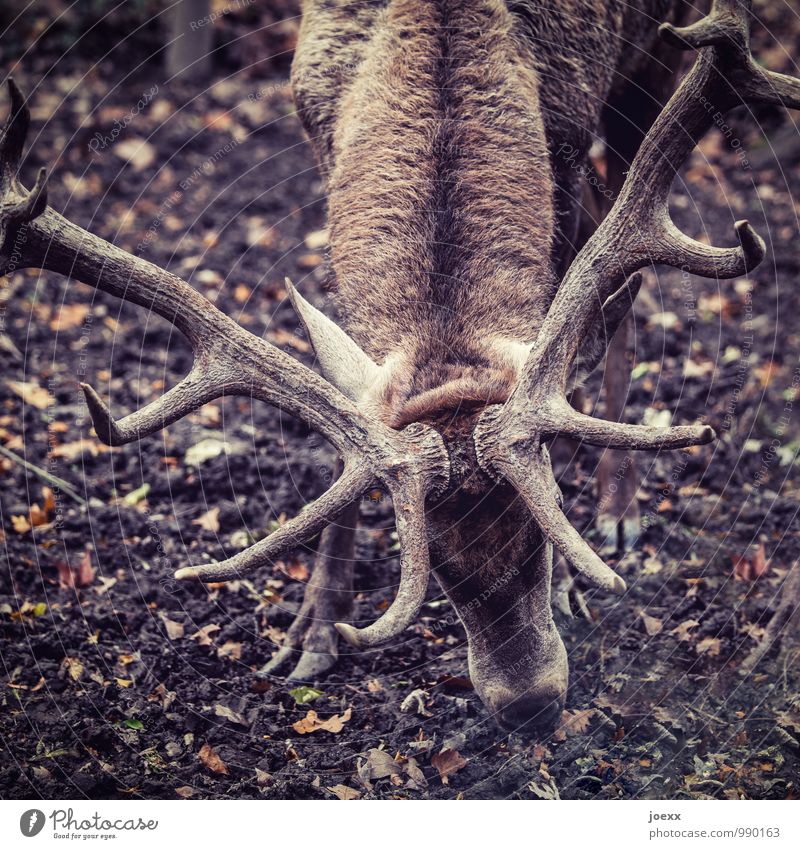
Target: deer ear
342	362
595	343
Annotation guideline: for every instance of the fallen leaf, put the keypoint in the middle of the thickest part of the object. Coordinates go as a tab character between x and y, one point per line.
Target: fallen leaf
297	570
752	565
85	573
82	576
230	649
286	337
174	629
377	765
652	625
311	722
231	715
79	448
573	722
206	449
682	630
185	792
69	316
203	636
31	393
37	516
374	685
137	152
138	494
305	695
211	760
263	778
316	239
209	521
73	667
448	762
20	524
342	791
416	778
710	646
49	499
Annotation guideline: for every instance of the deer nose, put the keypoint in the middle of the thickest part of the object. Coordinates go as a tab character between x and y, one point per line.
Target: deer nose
535	710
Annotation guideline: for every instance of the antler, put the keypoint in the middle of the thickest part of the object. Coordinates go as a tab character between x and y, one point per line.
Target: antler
229	360
637	232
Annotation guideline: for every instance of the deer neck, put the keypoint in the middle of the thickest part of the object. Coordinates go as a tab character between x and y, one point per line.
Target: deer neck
441	205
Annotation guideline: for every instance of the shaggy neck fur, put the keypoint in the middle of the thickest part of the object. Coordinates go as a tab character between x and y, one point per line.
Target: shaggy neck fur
440	198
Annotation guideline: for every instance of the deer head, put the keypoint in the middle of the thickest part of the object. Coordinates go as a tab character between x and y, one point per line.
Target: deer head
475	486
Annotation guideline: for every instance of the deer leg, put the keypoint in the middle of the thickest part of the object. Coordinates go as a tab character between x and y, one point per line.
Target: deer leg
618	511
328	599
627	119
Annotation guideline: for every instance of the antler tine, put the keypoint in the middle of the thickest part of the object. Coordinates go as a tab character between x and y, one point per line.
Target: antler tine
531	474
351	485
17	206
727	28
564	420
198	387
12	141
409	508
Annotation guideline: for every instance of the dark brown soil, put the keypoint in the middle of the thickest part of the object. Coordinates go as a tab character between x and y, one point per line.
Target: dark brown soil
135	686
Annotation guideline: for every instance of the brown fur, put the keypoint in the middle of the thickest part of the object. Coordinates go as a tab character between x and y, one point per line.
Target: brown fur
437	125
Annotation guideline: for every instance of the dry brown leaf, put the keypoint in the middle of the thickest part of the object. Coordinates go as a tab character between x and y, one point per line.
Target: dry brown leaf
652	625
20	524
241	293
682	630
137	152
36	516
285	337
710	646
316	239
573	722
31	393
230	649
752	565
85	573
69	316
297	570
82	576
184	792
342	791
211	760
378	764
374	685
174	629
72	667
79	448
209	521
203	636
448	762
263	778
231	715
49	499
311	722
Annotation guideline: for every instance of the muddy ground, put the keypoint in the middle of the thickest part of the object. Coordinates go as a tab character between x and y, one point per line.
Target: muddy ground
118	682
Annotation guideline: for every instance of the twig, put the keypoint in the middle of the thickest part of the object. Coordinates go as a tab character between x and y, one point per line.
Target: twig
60	483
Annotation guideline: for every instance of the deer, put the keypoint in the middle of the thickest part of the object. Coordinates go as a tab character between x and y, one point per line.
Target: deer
472	309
